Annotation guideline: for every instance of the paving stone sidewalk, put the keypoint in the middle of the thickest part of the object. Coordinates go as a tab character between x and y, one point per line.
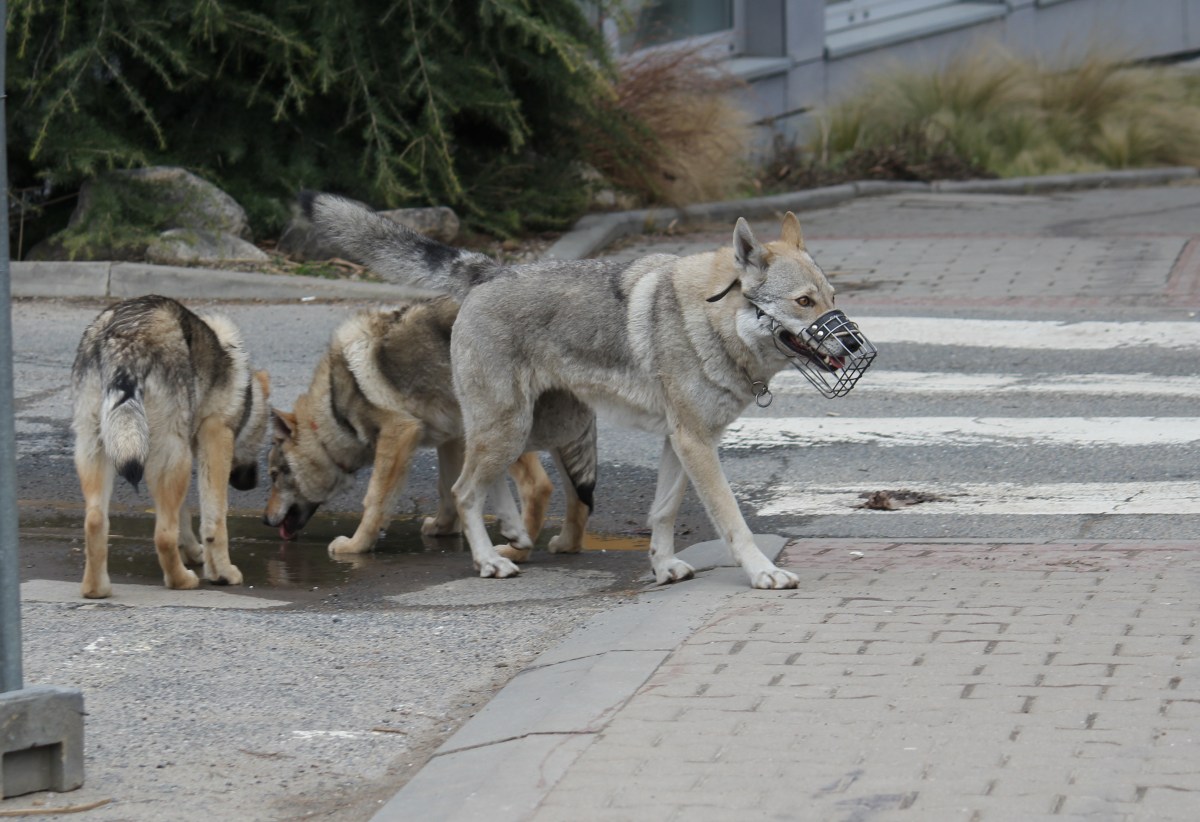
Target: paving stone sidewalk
920	681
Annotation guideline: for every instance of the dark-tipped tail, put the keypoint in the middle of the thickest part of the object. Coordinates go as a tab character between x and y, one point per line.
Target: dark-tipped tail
124	428
132	472
395	252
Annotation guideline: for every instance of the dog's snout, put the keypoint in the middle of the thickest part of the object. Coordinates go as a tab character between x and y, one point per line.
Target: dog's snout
850	342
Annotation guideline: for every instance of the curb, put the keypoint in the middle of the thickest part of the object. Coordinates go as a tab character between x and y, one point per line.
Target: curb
111	280
499	766
591	234
595	232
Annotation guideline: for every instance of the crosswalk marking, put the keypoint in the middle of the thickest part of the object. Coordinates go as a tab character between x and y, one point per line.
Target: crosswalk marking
1175	498
1030	334
763	432
1001	498
932	382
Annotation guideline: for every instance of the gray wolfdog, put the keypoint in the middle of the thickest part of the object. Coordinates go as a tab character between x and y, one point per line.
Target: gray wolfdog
384	389
675	345
154	383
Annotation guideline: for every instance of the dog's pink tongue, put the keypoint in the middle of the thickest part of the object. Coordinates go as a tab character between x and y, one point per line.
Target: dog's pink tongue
284	534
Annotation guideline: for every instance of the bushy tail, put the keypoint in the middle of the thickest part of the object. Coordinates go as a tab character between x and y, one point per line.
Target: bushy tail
124	429
578	460
395	252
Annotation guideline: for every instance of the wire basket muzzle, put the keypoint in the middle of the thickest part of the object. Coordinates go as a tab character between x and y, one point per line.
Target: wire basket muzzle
837	354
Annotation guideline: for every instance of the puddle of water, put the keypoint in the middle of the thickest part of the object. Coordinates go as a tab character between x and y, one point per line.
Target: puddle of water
270	564
602	542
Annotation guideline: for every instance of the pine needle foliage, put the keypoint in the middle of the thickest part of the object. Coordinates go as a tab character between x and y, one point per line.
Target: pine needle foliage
476	104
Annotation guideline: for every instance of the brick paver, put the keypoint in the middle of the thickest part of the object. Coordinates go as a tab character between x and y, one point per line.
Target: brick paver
930	681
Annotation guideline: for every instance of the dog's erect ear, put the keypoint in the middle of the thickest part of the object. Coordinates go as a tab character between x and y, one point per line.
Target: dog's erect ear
790	233
284	424
264	382
747	250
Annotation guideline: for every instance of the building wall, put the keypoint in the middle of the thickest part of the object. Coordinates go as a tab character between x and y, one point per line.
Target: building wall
792	65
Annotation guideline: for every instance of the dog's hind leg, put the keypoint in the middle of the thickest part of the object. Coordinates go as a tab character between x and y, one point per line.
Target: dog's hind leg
698	454
398	439
570	539
483	467
668	496
450	459
497	418
96	479
168	474
535	490
215	440
576	463
193	551
512	526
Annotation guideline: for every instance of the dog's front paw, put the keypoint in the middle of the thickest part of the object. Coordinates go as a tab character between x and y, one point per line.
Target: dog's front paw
185	582
499	567
517	538
101	590
674	570
514	553
774	578
347	545
558	545
230	576
192	553
434	527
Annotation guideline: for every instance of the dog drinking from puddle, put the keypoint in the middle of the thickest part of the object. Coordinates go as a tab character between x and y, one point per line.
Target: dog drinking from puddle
154	386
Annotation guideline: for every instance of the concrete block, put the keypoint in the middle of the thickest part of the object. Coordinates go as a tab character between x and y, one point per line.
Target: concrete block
41	740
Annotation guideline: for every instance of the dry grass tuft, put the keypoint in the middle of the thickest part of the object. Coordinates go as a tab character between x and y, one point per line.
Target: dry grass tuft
684	140
997	114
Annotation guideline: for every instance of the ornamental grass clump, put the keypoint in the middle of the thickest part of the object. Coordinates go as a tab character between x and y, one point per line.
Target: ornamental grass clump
998	114
675	133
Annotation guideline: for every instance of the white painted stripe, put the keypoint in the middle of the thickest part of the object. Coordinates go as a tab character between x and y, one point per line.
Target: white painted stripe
960	431
1030	334
1002	498
933	382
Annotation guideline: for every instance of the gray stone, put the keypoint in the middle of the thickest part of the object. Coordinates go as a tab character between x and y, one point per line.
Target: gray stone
194	203
180	246
41	740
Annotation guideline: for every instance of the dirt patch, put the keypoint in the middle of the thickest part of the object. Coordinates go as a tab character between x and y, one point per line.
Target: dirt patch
895	500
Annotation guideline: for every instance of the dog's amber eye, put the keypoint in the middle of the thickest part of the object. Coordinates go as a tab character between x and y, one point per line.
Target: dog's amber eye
804	302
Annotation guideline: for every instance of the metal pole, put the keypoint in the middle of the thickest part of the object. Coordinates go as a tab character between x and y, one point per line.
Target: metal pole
41	729
11	675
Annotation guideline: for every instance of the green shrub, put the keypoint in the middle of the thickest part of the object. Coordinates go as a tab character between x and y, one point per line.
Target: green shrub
475	105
